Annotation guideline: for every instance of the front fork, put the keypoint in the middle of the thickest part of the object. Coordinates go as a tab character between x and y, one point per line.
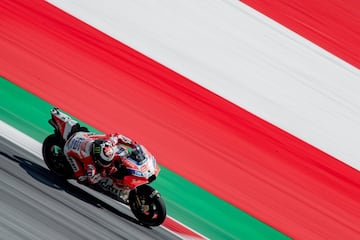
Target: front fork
137	199
140	205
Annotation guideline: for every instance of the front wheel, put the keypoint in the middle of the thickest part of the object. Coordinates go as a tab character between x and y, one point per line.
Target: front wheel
52	150
147	205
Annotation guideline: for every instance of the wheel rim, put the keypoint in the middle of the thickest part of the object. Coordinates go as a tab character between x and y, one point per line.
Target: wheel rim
55	157
149	210
55	151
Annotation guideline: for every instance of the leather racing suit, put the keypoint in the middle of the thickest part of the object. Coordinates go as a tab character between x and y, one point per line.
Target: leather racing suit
78	150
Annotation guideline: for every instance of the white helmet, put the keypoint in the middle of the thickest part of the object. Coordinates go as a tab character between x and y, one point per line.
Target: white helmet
103	152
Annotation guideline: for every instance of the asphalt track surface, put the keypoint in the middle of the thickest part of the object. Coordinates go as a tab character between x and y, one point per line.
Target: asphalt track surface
34	204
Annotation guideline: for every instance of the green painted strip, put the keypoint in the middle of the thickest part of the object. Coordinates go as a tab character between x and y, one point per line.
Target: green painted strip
185	201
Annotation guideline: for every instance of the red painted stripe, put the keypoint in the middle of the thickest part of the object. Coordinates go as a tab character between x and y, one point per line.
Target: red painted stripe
333	24
255	166
183	231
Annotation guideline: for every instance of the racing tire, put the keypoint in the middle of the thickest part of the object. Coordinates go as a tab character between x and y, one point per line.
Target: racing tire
54	158
152	210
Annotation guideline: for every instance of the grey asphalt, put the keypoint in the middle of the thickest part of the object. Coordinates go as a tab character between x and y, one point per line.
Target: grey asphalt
34	204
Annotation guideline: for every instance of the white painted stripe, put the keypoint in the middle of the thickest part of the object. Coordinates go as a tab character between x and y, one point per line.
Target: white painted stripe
245	57
21	139
34	147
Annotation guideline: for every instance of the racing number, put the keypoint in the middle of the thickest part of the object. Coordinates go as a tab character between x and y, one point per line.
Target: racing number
75	143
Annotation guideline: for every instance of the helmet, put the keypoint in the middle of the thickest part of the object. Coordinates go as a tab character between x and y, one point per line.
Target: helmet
137	153
103	152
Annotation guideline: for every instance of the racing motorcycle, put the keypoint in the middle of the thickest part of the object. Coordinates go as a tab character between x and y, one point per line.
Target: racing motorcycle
132	188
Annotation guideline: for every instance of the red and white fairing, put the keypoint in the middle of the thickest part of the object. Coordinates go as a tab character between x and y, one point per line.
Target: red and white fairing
141	172
63	122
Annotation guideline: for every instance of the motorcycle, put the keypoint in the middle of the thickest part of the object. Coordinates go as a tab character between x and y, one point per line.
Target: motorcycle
131	189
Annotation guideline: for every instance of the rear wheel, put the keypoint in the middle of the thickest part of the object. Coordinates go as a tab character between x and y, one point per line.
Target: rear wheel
147	205
55	160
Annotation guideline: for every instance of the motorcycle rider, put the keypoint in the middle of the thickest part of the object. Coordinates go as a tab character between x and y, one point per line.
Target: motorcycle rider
91	156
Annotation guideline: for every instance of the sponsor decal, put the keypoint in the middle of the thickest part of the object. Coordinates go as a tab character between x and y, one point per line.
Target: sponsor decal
144	167
107	185
97	149
136	172
90	170
73	164
75	143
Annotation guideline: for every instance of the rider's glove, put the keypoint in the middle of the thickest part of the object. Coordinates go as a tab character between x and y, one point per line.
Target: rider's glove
113	140
92	177
95	179
90	172
124	140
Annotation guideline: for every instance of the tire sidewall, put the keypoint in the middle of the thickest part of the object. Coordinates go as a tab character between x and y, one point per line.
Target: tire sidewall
49	142
146	190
